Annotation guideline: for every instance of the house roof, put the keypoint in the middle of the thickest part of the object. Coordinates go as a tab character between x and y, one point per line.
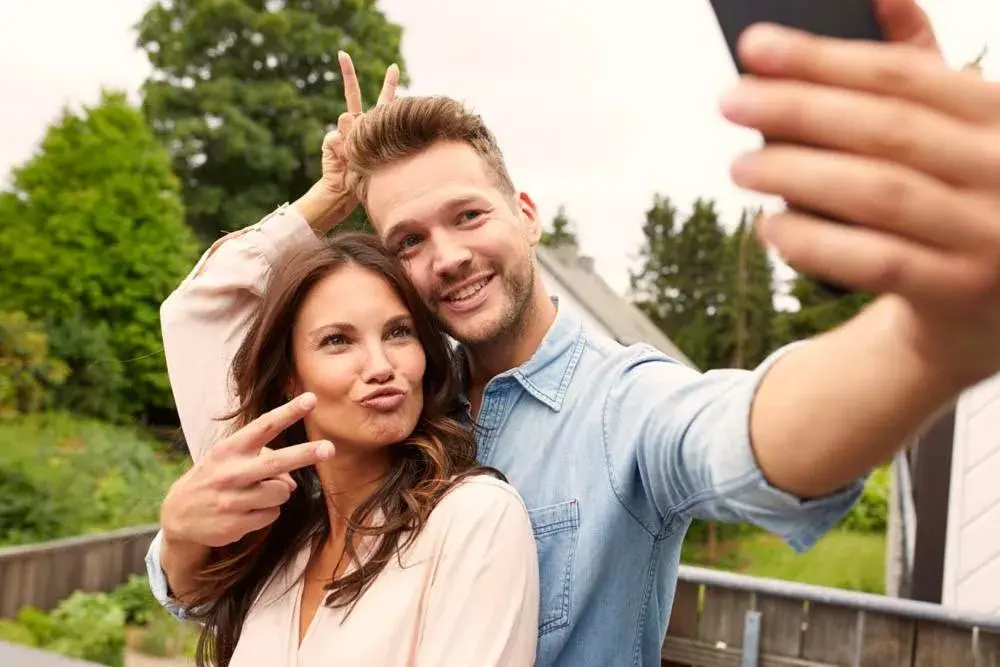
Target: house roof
626	323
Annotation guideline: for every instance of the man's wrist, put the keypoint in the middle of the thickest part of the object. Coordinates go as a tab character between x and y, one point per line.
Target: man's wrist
322	209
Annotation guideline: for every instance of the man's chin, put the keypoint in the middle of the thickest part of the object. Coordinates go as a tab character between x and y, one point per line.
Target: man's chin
473	329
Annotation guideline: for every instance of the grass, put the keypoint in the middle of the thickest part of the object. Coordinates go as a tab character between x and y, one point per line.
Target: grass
853	561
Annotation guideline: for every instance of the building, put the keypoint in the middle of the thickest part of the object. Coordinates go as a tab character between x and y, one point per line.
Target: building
571	277
944	542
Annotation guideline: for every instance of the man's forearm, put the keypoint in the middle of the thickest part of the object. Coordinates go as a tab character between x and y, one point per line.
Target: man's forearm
843	403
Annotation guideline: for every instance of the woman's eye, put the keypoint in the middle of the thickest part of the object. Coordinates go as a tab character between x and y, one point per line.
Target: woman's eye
401	331
334	339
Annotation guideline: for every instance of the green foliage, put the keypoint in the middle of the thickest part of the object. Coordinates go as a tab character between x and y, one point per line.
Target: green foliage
818	311
136	600
243	91
28	374
62	476
88	626
92	626
871	513
93	229
96	379
709	291
562	230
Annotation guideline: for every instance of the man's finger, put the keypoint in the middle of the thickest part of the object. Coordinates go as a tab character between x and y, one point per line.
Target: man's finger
894	71
261	431
389	85
905	21
272	464
352	90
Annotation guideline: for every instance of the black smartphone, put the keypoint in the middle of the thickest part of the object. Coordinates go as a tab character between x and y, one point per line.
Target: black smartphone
843	19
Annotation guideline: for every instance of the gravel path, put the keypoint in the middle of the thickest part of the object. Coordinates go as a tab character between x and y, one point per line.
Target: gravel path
133	659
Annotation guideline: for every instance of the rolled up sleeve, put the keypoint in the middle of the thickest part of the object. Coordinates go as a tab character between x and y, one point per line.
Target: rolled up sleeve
158	580
688	436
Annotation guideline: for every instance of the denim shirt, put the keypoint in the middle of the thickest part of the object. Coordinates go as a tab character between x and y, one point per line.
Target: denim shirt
614	450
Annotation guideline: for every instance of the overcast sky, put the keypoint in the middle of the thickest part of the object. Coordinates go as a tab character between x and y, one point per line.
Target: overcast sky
596	109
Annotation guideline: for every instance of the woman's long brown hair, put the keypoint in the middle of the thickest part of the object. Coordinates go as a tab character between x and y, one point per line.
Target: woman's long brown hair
439	453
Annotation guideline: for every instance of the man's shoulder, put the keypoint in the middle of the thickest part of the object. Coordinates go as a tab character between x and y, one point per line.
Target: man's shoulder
614	359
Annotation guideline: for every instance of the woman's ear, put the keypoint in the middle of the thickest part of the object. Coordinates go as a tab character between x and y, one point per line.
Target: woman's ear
292	388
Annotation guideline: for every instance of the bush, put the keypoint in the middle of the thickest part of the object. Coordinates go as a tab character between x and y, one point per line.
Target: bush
136	599
27	372
62	475
871	513
88	626
96	381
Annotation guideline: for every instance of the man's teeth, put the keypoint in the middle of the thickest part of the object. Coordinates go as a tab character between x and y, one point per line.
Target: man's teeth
468	292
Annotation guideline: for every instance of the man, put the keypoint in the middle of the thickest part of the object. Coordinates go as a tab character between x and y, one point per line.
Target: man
615	449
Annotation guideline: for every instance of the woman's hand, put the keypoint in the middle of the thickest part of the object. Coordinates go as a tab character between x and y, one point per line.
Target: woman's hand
332	198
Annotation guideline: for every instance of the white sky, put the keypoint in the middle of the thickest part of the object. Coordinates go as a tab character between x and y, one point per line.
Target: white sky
594	109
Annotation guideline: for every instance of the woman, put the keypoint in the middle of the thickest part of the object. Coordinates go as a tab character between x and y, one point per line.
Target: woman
397	550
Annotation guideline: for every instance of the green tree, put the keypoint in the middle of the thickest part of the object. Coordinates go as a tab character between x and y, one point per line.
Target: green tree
243	91
818	311
749	309
28	375
561	231
93	231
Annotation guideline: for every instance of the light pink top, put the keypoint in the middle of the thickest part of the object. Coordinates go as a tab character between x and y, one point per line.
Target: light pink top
467	591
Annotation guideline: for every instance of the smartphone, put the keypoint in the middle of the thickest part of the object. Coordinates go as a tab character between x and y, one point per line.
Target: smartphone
843	19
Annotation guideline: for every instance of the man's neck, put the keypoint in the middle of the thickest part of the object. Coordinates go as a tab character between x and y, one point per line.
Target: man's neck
488	360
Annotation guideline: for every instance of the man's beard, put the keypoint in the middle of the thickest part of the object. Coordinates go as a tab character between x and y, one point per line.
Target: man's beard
516	289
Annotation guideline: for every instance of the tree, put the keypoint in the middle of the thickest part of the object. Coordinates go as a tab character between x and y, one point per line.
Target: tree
243	91
749	305
562	230
28	373
93	232
818	311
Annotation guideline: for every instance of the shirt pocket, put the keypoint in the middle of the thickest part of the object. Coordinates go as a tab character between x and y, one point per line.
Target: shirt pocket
556	528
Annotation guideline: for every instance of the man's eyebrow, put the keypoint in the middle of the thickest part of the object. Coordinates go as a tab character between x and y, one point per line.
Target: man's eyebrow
447	206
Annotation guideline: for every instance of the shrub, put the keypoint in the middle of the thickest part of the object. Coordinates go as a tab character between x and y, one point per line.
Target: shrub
871	513
27	372
136	599
62	475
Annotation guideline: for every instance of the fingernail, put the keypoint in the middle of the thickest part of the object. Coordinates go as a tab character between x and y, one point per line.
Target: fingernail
741	166
324	450
740	103
765	40
307	400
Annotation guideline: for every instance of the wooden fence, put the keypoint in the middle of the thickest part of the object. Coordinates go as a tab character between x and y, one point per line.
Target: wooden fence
719	619
43	574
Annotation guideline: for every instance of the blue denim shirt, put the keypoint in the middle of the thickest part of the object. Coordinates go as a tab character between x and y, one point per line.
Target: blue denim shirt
614	450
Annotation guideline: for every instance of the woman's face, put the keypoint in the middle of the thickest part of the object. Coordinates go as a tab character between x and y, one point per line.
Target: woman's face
356	349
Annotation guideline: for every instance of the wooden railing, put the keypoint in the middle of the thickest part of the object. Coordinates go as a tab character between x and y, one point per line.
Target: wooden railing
718	618
43	574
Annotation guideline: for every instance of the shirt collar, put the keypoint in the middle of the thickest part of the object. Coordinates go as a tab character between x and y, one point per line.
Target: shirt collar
547	374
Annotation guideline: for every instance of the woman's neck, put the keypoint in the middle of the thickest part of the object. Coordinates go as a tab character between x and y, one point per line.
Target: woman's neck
347	480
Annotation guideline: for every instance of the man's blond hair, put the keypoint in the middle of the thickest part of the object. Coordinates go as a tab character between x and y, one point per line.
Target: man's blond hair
407	126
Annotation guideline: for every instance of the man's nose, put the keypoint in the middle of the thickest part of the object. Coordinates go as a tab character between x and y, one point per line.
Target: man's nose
450	258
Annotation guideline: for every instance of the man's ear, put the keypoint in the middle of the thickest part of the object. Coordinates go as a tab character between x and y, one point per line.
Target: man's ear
529	215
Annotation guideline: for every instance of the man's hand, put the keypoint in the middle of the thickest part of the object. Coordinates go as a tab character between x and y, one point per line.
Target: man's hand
236	488
887	137
332	198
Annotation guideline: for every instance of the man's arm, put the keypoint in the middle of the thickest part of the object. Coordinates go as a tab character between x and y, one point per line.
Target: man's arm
679	445
847	401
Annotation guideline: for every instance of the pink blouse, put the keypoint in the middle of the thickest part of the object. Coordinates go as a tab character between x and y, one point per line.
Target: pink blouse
466	590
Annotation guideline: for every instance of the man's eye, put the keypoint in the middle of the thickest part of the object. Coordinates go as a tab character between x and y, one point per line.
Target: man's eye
469	216
409	241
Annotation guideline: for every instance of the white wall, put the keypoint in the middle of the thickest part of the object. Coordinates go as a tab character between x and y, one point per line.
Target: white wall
570	303
972	550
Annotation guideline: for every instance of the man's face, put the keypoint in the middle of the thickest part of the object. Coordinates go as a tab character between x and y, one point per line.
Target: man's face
465	244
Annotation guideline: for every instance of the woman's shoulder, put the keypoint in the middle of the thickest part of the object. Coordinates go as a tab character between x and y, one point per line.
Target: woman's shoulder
481	499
